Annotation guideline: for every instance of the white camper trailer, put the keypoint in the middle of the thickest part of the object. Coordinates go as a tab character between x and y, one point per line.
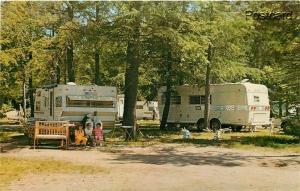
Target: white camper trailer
144	109
232	104
72	102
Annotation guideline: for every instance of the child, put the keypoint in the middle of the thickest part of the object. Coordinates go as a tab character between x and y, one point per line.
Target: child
79	136
89	133
98	133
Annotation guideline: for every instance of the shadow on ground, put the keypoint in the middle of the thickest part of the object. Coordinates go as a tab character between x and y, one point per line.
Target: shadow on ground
16	142
261	141
217	158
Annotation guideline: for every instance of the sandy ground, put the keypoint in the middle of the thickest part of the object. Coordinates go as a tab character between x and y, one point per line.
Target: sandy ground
166	167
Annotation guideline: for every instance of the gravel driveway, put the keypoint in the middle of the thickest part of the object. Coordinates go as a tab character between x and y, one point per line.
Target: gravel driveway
166	167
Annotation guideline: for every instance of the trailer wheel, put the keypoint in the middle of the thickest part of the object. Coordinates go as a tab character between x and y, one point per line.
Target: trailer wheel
215	124
239	128
236	128
171	127
200	124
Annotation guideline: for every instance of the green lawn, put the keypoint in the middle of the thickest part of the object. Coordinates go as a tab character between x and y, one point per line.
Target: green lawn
263	139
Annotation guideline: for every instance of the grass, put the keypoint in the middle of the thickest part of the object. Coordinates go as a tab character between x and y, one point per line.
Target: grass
263	139
5	136
14	168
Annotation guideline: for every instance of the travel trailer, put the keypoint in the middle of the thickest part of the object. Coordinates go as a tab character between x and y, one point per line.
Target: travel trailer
72	102
144	109
232	104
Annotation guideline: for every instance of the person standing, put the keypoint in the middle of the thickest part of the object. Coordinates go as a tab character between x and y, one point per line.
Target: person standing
98	133
85	119
153	114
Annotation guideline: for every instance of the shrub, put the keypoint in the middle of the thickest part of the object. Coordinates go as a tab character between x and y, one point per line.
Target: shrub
2	115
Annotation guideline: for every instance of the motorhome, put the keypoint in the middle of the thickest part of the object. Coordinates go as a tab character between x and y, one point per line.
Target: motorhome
72	102
232	104
144	109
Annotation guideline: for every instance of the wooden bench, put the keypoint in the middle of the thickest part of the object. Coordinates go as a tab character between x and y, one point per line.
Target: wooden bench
52	130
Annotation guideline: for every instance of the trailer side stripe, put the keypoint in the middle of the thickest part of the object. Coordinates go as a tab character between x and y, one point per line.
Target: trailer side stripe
239	108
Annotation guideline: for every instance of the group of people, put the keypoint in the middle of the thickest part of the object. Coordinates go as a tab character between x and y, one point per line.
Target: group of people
89	133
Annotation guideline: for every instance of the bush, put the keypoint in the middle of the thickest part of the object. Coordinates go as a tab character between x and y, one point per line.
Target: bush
292	130
2	115
291	126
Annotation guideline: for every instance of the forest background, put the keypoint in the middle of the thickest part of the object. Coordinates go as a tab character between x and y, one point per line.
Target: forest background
141	46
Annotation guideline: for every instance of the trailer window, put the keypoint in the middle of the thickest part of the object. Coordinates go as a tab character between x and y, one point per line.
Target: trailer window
139	107
37	106
89	103
58	101
77	103
175	99
195	99
202	99
102	104
256	99
150	109
38	93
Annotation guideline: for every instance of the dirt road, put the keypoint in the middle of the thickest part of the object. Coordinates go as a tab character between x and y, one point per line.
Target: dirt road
167	167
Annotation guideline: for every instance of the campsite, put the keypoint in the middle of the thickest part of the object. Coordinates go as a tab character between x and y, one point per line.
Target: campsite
251	163
149	95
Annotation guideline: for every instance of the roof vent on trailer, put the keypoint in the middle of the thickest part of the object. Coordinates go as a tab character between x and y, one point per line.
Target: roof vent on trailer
244	80
71	83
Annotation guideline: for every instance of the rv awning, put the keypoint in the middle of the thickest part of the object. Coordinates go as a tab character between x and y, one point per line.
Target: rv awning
90	98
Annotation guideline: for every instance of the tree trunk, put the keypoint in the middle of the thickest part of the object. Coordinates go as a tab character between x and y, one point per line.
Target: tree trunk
24	97
97	55
65	67
31	90
58	72
70	61
207	88
97	67
31	98
70	66
132	72
287	108
166	110
280	108
131	82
